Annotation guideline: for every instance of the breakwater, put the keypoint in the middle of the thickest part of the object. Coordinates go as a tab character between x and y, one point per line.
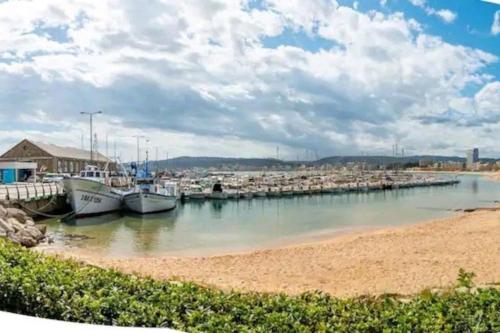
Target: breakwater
20	228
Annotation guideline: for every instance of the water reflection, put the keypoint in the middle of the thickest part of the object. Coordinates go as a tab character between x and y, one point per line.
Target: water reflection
216	208
475	186
93	220
231	225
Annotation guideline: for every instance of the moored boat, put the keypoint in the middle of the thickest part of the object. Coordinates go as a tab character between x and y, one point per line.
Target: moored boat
218	192
149	196
90	193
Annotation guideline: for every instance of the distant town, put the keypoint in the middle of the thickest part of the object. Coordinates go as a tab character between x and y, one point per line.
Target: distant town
29	158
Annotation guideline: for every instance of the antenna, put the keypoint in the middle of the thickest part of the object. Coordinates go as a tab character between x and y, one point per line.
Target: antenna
138	137
156	159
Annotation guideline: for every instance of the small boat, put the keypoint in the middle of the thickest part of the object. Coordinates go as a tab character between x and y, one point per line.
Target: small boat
218	192
246	194
287	190
90	193
232	193
260	192
196	192
274	191
150	196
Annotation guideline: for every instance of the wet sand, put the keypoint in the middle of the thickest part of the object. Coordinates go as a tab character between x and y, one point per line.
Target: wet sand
402	260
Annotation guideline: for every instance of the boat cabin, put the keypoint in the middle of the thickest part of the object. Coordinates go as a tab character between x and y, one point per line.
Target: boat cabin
92	171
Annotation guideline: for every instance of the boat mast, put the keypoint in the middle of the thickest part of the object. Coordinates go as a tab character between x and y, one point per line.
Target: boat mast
91	115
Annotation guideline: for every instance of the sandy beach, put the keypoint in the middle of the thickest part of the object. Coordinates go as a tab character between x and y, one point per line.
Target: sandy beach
494	175
401	260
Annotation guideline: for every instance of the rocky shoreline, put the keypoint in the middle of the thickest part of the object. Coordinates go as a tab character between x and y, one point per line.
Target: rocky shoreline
20	228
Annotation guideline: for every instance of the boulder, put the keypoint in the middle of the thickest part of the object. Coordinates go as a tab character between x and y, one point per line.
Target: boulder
14	238
6	226
18	214
42	228
28	242
26	237
3	211
15	224
33	232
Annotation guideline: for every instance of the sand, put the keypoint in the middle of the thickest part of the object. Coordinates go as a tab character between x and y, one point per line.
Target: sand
494	175
402	260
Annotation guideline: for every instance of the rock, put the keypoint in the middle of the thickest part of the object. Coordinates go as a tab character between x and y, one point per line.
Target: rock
3	233
26	238
3	211
42	228
28	242
15	224
18	214
30	223
5	226
14	238
33	232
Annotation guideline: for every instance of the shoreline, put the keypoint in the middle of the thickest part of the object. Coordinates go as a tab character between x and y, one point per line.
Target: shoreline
494	175
401	260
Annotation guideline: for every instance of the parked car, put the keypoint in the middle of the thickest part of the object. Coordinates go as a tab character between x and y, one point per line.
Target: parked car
52	178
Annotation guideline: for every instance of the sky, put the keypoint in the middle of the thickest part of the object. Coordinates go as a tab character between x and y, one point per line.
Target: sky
243	77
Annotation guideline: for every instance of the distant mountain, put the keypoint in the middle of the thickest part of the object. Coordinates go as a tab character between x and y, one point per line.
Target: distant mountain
188	162
385	160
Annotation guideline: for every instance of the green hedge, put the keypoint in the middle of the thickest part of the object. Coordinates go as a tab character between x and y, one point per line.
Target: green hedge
43	286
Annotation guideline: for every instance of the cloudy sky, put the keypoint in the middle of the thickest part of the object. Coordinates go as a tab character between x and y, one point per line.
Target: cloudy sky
239	78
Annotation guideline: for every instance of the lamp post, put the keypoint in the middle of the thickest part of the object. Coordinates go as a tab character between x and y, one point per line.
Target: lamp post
91	114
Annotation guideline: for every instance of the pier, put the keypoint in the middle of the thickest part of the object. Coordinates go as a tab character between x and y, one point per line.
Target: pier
34	198
296	184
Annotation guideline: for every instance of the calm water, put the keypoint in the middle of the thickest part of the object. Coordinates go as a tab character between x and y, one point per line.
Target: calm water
220	226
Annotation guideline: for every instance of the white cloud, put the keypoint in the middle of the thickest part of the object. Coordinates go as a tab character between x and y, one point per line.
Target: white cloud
446	15
197	77
487	100
495	27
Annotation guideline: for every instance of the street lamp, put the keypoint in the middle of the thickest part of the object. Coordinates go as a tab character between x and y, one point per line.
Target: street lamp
91	114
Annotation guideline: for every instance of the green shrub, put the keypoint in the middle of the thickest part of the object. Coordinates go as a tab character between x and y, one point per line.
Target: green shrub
44	286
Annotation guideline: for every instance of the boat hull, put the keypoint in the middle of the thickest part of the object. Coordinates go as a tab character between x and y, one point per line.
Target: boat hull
88	197
219	195
146	203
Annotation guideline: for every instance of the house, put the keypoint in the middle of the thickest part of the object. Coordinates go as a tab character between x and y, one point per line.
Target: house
53	158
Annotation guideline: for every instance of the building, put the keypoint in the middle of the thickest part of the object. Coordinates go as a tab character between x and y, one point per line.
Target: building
472	157
15	171
52	158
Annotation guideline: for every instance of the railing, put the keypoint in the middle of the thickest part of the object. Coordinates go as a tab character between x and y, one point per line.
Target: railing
29	191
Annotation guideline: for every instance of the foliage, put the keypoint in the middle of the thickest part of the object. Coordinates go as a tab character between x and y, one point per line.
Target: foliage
44	286
465	278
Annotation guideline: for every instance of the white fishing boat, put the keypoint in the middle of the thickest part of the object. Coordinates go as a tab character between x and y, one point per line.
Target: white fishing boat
196	192
91	193
151	196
